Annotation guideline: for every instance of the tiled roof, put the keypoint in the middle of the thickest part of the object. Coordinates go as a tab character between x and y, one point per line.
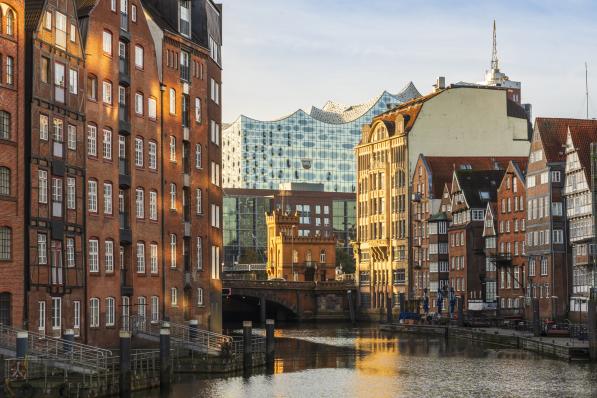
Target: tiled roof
475	182
33	10
582	136
553	133
442	167
410	110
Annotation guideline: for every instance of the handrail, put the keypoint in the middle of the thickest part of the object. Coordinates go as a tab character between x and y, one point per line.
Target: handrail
182	334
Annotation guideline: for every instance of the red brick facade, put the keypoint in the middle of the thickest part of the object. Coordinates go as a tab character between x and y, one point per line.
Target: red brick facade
56	106
12	162
511	261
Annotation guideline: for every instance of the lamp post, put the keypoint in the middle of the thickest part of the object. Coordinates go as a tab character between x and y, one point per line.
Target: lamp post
292	252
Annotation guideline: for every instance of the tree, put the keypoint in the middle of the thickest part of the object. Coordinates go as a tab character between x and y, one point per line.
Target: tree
344	260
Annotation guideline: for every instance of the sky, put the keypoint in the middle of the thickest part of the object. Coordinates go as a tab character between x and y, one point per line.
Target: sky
281	55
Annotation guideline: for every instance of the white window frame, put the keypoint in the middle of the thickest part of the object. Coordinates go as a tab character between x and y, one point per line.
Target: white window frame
93	255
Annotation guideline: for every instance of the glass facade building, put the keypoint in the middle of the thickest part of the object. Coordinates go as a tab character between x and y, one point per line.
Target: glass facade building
315	147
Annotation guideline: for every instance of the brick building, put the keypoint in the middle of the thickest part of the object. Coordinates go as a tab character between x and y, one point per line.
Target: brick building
294	257
124	245
188	37
12	162
510	258
549	275
321	214
429	220
55	177
579	199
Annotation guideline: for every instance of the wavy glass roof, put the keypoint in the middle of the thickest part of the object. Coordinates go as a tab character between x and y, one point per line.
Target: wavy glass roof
315	147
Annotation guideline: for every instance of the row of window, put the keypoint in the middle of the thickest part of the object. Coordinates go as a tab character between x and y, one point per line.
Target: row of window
539	238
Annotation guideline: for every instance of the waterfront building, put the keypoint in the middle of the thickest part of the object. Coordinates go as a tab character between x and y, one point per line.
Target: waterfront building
123	165
429	221
549	261
452	121
188	39
510	261
294	257
55	168
321	214
12	163
315	147
579	196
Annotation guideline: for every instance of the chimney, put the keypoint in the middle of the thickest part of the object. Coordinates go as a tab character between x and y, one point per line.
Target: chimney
440	84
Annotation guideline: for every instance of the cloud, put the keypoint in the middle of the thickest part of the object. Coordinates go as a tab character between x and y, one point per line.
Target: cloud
281	55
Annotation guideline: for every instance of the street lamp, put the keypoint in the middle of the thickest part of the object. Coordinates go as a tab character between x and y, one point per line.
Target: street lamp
292	252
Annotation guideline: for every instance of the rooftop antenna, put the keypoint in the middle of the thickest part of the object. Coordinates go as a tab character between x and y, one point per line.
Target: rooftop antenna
494	57
587	87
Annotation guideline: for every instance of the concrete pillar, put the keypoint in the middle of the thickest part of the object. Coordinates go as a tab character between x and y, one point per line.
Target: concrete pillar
69	338
125	364
247	345
269	338
165	365
193	329
262	310
592	324
389	309
461	310
536	320
22	344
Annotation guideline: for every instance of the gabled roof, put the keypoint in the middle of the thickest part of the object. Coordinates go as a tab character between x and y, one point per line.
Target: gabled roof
33	11
490	213
554	131
441	167
479	186
582	137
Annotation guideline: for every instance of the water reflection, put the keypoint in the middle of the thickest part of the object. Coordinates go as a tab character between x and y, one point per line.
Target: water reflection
341	361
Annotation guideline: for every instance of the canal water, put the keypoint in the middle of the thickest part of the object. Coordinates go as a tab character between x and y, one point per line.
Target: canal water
338	360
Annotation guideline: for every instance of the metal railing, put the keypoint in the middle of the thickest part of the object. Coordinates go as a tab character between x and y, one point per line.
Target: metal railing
238	346
245	267
203	340
59	350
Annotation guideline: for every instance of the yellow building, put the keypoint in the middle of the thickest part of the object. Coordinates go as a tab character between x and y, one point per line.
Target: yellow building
298	258
460	120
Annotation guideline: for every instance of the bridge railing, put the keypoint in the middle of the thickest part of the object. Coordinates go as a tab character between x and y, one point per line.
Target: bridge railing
257	344
245	267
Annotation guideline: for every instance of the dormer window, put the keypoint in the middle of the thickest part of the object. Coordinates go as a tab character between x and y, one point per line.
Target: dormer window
185	18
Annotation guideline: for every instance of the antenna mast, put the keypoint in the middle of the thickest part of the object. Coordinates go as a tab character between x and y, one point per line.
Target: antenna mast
587	87
494	57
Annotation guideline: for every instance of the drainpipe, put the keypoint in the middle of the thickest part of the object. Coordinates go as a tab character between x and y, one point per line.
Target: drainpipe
162	182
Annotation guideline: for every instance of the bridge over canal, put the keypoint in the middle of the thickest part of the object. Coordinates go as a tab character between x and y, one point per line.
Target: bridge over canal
303	301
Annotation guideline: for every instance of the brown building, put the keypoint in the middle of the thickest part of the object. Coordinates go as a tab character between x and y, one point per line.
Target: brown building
321	214
549	264
430	219
580	206
189	38
12	162
55	179
510	258
298	258
471	191
123	226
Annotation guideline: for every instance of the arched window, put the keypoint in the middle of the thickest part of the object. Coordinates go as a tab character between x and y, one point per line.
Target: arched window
10	23
294	256
5	244
4	181
4	125
322	256
308	256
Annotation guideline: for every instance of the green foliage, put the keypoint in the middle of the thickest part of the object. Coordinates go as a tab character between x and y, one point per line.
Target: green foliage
345	260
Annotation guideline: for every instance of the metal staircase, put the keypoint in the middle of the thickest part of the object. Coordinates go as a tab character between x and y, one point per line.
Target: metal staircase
194	339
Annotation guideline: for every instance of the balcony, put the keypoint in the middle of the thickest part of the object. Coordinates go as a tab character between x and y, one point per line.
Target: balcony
125	229
188	280
124	27
187	229
126	286
124	178
503	259
124	76
124	123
